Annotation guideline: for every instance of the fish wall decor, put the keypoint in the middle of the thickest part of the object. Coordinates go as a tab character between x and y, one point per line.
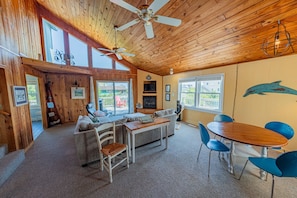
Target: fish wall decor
273	87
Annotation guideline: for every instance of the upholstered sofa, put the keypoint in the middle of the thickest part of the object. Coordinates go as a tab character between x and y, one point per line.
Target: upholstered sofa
86	143
85	139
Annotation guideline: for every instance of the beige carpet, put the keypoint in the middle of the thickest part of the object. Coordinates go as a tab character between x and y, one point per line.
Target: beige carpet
51	170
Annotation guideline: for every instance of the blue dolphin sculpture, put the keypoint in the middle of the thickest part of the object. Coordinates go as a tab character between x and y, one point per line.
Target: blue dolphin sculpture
273	87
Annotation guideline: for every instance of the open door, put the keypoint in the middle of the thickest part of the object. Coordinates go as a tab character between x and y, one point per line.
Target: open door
35	105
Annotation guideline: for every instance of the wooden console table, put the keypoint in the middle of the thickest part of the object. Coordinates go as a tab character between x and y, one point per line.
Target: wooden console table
136	127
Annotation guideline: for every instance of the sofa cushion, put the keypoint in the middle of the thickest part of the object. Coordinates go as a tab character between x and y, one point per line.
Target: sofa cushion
164	112
133	116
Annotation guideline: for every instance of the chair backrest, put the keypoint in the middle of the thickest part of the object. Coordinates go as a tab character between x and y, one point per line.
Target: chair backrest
105	134
90	108
203	134
281	128
287	163
223	118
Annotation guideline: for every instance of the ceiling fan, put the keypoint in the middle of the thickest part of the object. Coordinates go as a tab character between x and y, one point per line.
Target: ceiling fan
118	51
146	13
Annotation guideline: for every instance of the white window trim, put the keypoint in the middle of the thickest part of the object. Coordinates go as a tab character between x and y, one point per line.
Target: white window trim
219	76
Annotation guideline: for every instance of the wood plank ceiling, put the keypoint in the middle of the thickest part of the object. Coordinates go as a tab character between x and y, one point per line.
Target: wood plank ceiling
213	32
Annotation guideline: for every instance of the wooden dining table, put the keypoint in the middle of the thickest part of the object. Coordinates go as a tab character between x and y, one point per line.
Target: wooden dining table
247	134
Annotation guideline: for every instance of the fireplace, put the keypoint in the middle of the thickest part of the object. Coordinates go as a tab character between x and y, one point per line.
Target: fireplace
149	102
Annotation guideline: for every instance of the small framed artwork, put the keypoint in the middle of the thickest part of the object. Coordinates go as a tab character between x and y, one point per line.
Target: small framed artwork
167	96
78	93
20	95
167	88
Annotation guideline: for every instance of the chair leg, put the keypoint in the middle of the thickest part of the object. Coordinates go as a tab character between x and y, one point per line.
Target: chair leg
199	152
209	162
243	169
109	169
127	156
272	187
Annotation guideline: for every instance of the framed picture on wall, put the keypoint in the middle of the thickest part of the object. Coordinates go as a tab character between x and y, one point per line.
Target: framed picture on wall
78	93
20	95
167	88
167	96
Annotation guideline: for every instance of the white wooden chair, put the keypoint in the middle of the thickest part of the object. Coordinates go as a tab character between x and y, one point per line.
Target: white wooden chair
111	153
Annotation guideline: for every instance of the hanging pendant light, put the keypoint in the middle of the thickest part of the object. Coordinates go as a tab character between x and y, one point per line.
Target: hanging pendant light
279	44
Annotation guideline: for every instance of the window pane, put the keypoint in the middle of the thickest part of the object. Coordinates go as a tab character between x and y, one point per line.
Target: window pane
78	52
114	97
209	96
106	96
209	101
211	86
187	90
119	66
122	97
54	43
99	60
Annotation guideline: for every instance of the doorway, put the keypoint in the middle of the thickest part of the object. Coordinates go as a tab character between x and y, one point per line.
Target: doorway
34	105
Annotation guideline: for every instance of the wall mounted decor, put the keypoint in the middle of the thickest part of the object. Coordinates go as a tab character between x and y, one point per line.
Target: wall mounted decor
20	95
167	88
273	87
167	96
78	93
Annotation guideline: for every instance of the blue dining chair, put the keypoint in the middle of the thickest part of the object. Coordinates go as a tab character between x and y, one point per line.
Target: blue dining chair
284	165
222	118
211	144
282	128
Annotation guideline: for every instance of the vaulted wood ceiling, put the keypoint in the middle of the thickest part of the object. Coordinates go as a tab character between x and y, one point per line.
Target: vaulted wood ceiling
213	32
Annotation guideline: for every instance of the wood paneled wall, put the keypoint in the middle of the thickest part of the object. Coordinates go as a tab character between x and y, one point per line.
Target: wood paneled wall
20	36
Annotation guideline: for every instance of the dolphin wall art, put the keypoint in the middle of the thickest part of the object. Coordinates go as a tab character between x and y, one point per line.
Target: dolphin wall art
273	87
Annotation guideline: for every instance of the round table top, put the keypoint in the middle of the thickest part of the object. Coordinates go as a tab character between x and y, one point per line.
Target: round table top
247	134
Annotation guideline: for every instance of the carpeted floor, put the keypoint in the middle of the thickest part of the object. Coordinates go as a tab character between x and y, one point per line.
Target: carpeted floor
51	170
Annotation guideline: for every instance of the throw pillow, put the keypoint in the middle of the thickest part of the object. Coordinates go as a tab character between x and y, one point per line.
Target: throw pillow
83	125
92	126
99	113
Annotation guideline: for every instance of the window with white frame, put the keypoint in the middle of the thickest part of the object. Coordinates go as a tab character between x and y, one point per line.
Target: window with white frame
100	60
55	46
203	93
78	52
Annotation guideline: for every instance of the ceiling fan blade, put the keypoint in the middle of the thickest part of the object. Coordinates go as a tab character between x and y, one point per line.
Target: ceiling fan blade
167	20
125	5
107	54
149	30
128	54
125	26
119	56
121	50
157	5
103	49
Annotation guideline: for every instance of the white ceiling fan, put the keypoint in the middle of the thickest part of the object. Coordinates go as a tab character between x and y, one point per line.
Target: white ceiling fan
145	14
118	51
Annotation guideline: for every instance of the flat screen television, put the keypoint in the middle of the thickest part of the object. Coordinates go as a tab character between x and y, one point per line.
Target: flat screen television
149	87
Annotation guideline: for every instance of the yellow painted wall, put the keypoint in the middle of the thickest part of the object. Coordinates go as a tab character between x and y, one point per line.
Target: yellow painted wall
141	77
254	109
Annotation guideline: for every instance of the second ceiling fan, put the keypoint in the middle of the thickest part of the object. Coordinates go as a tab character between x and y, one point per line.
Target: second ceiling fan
118	51
145	14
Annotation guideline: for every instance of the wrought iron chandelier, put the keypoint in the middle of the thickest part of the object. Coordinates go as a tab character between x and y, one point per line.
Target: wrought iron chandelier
278	44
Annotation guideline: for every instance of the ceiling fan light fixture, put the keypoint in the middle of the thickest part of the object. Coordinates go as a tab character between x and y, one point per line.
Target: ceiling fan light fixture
278	44
171	71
